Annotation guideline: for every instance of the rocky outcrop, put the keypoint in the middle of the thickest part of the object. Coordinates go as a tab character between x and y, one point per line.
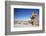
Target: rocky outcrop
34	19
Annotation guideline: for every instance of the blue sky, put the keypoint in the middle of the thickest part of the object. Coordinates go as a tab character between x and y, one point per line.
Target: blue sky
22	13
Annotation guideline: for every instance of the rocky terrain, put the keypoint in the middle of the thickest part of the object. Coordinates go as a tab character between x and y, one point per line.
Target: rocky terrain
33	22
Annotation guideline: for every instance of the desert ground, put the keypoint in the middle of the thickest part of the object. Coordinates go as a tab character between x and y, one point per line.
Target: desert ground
23	24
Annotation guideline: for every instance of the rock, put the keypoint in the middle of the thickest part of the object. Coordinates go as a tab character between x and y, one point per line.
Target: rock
35	19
